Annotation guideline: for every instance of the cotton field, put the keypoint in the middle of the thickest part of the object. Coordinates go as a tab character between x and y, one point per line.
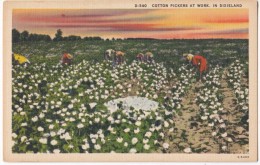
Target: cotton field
93	107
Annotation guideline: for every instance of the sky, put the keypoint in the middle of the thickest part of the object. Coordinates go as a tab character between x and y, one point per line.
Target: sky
136	23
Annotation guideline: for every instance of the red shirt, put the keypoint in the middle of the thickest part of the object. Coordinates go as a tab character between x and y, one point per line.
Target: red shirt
200	61
65	59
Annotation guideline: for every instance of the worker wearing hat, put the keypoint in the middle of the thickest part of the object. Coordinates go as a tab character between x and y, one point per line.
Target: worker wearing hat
119	57
149	57
66	58
140	57
198	61
19	59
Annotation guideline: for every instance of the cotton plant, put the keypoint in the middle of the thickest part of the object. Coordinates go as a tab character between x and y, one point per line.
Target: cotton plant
61	109
59	103
241	91
211	109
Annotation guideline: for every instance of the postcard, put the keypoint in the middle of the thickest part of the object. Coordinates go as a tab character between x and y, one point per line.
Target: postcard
126	81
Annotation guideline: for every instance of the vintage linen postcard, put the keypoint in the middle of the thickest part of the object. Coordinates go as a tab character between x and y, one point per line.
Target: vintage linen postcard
132	80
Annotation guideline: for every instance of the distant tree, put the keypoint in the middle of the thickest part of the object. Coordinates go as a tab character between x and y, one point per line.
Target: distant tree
15	36
58	35
97	38
32	37
85	38
47	38
92	38
24	36
73	38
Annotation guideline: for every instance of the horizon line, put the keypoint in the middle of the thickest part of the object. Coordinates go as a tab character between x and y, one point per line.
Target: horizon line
122	38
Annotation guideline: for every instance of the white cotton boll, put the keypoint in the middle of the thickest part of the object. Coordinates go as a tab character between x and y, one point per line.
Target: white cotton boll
187	150
117	121
223	125
97	146
166	145
119	140
54	142
211	124
136	130
204	117
145	141
14	135
132	150
97	120
102	136
93	141
125	144
52	133
42	115
229	139
51	126
67	136
56	151
146	147
134	140
70	106
166	124
126	130
138	123
80	125
224	148
92	105
72	119
224	134
110	118
43	140
171	130
155	96
162	134
220	120
22	113
23	138
40	129
85	146
35	118
148	134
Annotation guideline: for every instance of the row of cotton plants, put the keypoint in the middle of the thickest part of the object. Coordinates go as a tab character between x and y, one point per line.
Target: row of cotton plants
211	113
178	89
234	78
60	109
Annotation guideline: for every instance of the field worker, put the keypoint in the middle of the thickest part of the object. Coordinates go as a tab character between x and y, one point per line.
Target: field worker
108	55
140	57
199	61
119	57
66	58
149	57
19	59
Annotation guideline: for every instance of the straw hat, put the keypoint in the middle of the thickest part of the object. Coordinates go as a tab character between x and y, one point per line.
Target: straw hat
188	56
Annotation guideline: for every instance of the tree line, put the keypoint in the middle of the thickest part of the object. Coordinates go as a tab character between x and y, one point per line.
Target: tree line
26	36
